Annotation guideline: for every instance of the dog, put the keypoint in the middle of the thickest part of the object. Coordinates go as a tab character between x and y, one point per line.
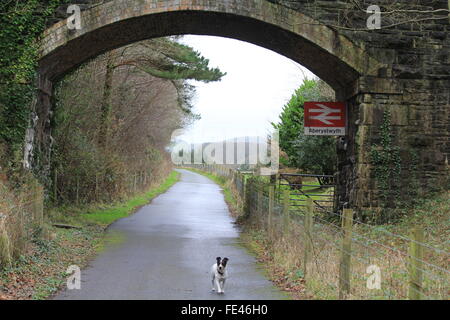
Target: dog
219	274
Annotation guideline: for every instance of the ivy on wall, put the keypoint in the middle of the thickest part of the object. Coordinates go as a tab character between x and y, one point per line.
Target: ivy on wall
385	157
21	23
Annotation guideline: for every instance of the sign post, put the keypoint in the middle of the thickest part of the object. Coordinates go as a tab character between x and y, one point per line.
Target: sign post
325	118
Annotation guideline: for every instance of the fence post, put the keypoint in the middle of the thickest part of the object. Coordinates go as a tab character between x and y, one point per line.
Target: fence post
273	179
278	186
238	182
286	198
244	183
270	213
415	264
260	201
345	265
247	198
308	235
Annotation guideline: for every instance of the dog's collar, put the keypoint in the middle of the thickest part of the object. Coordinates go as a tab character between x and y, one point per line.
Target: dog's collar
221	273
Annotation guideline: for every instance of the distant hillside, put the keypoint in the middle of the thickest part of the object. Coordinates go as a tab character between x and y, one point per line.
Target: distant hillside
235	151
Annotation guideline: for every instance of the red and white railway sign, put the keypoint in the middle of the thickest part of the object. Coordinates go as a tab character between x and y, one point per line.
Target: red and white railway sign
325	118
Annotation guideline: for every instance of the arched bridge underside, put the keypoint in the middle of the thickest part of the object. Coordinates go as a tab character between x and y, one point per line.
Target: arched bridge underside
365	81
329	55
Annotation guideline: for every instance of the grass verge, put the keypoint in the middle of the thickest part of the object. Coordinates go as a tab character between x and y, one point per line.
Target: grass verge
41	271
106	216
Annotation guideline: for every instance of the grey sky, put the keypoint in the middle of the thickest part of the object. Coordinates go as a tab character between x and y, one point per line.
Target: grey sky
257	85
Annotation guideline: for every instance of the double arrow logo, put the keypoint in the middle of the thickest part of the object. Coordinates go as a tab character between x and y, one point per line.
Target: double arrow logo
325	114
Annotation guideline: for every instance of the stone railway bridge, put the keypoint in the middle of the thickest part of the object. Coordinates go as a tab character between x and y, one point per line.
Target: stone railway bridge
404	69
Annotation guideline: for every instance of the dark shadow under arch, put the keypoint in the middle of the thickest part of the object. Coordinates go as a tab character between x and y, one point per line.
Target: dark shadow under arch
326	66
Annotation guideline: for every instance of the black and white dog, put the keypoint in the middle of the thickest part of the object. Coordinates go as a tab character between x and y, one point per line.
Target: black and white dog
219	274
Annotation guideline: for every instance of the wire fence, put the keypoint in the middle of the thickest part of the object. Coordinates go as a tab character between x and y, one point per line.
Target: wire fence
338	256
81	189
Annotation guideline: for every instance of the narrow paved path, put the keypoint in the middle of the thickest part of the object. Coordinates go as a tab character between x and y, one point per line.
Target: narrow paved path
165	251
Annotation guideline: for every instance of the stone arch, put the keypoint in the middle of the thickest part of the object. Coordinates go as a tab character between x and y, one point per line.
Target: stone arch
329	55
343	64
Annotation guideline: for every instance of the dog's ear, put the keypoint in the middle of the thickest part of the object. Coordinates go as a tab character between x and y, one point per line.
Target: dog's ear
218	260
224	261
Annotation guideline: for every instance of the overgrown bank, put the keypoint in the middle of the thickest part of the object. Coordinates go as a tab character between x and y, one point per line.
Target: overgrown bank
41	270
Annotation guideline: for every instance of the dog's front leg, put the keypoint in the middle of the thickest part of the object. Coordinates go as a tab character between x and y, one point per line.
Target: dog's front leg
219	288
223	285
213	286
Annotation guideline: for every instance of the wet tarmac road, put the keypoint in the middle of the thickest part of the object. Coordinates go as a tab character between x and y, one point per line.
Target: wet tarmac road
165	251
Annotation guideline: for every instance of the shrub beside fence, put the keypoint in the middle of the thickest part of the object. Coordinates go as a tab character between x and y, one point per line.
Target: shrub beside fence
338	256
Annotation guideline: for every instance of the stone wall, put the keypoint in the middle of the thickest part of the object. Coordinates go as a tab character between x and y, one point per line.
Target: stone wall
414	87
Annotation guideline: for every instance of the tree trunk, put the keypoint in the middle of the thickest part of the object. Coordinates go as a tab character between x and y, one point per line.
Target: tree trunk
105	117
